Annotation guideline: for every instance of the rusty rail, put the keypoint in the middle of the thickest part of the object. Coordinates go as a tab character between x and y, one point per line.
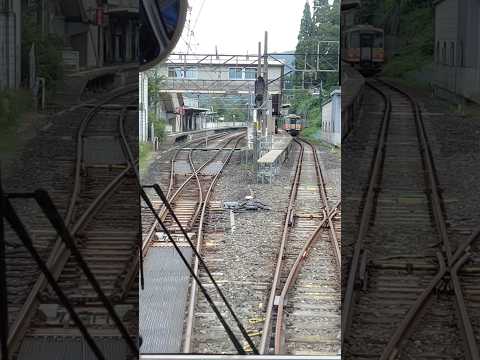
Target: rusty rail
453	263
375	175
60	254
193	290
267	326
294	271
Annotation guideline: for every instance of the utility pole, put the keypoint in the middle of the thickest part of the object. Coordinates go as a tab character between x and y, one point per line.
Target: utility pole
266	108
256	113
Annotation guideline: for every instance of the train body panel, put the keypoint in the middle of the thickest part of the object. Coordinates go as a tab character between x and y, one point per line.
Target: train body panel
363	48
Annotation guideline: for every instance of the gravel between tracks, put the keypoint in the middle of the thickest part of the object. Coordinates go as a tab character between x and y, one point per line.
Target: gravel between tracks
243	260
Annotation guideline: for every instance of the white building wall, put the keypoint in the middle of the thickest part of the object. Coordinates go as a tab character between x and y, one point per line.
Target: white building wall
331	131
457	49
220	72
143	107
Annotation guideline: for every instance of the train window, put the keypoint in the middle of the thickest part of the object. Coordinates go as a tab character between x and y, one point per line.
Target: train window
366	40
437	54
354	39
378	40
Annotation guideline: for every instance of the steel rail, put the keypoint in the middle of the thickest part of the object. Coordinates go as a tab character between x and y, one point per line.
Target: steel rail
292	275
193	290
162	212
199	207
59	254
375	174
267	326
162	209
326	222
466	326
132	273
323	192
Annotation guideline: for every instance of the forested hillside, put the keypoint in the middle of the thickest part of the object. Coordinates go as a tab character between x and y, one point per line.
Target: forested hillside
321	24
409	33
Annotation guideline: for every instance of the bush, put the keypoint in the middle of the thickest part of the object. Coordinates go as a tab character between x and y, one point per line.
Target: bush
13	103
158	125
48	49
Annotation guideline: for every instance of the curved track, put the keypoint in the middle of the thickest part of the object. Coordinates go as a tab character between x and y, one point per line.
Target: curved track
190	188
103	191
404	298
185	191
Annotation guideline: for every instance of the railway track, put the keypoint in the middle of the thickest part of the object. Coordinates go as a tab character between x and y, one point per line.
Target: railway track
178	165
404	297
302	315
97	208
191	185
185	190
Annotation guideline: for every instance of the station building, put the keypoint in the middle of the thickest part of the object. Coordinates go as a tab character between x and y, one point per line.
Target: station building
457	49
331	131
209	74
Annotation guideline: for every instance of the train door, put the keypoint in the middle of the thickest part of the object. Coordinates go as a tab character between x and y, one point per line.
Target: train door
366	46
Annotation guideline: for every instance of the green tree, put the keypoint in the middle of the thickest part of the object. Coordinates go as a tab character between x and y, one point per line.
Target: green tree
304	45
48	47
318	34
155	84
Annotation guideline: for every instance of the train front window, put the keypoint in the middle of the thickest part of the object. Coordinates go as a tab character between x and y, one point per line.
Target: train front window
366	40
378	40
354	39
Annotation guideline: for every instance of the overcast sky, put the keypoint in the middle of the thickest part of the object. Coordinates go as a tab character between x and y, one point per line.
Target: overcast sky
236	26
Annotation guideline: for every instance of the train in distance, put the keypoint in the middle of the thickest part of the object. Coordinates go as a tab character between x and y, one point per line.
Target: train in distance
363	48
293	124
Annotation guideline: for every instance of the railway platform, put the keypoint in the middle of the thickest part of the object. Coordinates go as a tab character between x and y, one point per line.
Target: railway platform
75	84
161	319
181	136
270	163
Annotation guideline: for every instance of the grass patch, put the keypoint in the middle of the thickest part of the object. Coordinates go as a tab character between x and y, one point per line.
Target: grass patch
416	48
13	105
472	111
145	155
311	133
